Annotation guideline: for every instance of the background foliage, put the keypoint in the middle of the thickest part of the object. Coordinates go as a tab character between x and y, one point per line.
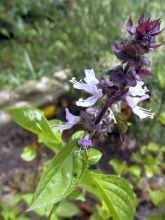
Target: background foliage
39	37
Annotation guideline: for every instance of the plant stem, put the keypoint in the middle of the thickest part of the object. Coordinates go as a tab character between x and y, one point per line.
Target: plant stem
100	116
102	112
51	212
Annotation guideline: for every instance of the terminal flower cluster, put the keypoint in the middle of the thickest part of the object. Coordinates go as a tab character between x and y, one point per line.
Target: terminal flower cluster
121	84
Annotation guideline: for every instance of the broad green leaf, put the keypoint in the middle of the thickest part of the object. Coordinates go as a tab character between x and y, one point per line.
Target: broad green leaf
66	209
138	157
29	153
114	191
42	211
149	171
27	197
103	211
119	168
157	196
163	149
153	147
143	150
52	144
151	160
33	119
77	195
54	217
60	178
135	170
93	156
162	118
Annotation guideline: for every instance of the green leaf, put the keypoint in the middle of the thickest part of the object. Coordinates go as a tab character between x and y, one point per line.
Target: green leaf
93	156
52	144
138	157
78	135
60	179
157	196
54	217
121	123
66	209
33	119
156	217
95	216
103	211
114	191
149	171
29	153
41	212
135	170
153	147
162	118
77	195
161	78
119	168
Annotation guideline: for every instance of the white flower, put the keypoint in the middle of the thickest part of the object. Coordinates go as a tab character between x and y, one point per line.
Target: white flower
138	90
90	87
143	113
135	96
71	120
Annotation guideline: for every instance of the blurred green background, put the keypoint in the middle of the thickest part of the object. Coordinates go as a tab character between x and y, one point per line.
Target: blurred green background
40	37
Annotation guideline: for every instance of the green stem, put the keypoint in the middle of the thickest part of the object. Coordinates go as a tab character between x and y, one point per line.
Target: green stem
51	212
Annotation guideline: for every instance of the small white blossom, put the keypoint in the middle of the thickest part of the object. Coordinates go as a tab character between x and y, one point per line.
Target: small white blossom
135	96
90	87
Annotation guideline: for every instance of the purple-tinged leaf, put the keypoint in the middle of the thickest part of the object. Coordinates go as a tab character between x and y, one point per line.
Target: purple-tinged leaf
131	30
145	72
141	19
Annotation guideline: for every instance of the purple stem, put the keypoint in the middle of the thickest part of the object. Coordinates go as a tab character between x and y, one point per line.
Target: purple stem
100	116
103	112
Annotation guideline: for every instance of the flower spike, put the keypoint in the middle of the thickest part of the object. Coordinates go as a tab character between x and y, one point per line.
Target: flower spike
121	83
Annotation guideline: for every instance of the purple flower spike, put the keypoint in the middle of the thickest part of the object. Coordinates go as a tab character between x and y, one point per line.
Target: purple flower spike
71	121
90	87
85	142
